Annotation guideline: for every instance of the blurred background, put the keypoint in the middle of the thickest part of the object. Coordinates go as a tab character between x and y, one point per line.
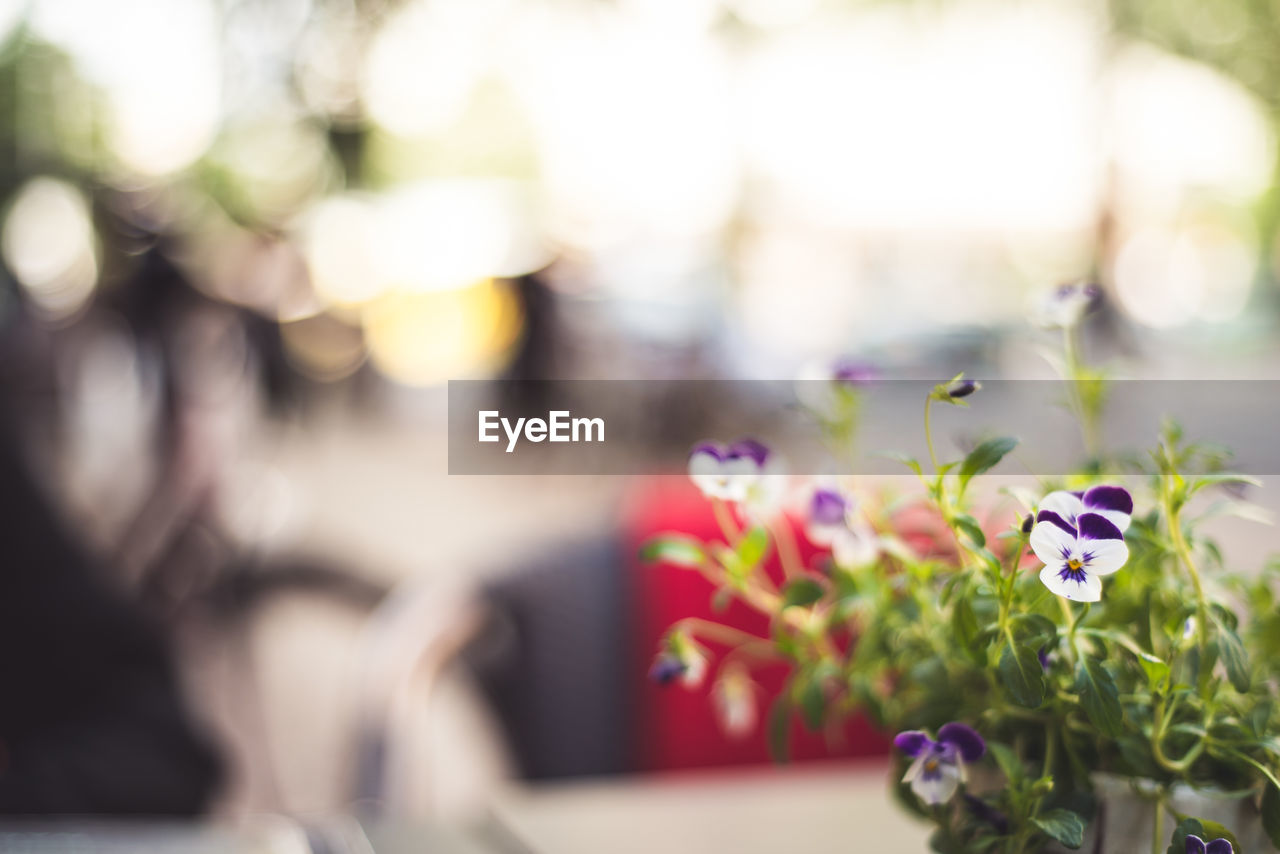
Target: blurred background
246	243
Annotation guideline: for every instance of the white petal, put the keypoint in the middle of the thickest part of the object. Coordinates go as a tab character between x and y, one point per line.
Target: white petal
1105	556
822	535
913	770
1088	590
694	672
1064	504
939	789
729	480
764	494
1115	517
704	471
1050	542
854	548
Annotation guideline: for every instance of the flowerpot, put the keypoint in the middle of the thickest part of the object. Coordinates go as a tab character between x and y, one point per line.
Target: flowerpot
1126	817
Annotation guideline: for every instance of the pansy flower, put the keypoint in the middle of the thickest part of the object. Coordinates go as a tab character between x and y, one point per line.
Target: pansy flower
746	472
726	471
1111	502
939	765
831	388
963	388
1077	556
680	660
1067	304
1196	845
834	522
852	373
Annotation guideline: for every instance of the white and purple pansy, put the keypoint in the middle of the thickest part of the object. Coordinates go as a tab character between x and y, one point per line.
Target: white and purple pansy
833	522
728	472
677	662
1111	502
1067	304
1076	556
1196	845
939	766
853	373
831	388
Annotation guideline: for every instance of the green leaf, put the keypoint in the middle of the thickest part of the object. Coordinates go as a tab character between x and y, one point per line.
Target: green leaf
1022	675
1064	826
1188	827
1271	813
784	640
965	622
1213	830
985	456
1035	630
906	459
676	549
1008	761
752	547
1099	696
1204	480
813	703
801	592
1155	669
971	529
780	729
1233	657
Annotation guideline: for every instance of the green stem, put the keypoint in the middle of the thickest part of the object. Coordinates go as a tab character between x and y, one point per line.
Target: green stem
1157	831
728	527
1049	744
788	550
1183	551
1088	427
928	432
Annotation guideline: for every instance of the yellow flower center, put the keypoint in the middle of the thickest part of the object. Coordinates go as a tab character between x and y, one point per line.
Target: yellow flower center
931	765
1074	564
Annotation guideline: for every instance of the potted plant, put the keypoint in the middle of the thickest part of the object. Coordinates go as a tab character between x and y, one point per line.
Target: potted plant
1093	674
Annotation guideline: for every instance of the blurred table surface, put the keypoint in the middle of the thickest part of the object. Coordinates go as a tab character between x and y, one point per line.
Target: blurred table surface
832	807
816	809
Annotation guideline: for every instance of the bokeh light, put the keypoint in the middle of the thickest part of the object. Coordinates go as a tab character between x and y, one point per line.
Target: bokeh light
422	339
49	244
157	63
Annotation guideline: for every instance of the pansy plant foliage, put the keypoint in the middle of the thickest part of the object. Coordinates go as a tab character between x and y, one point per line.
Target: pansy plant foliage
1015	665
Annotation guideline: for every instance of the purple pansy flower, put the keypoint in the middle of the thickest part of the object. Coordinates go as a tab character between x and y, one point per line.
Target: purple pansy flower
1066	304
1111	502
850	372
939	765
728	472
1196	845
962	388
1046	658
827	507
834	523
1077	556
831	388
667	668
680	658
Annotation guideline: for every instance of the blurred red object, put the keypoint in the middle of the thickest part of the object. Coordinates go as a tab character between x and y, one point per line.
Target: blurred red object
677	727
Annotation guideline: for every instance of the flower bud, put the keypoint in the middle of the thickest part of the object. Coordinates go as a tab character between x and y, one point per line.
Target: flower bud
962	389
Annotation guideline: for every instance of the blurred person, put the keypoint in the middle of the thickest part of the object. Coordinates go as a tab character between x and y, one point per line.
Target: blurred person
91	720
